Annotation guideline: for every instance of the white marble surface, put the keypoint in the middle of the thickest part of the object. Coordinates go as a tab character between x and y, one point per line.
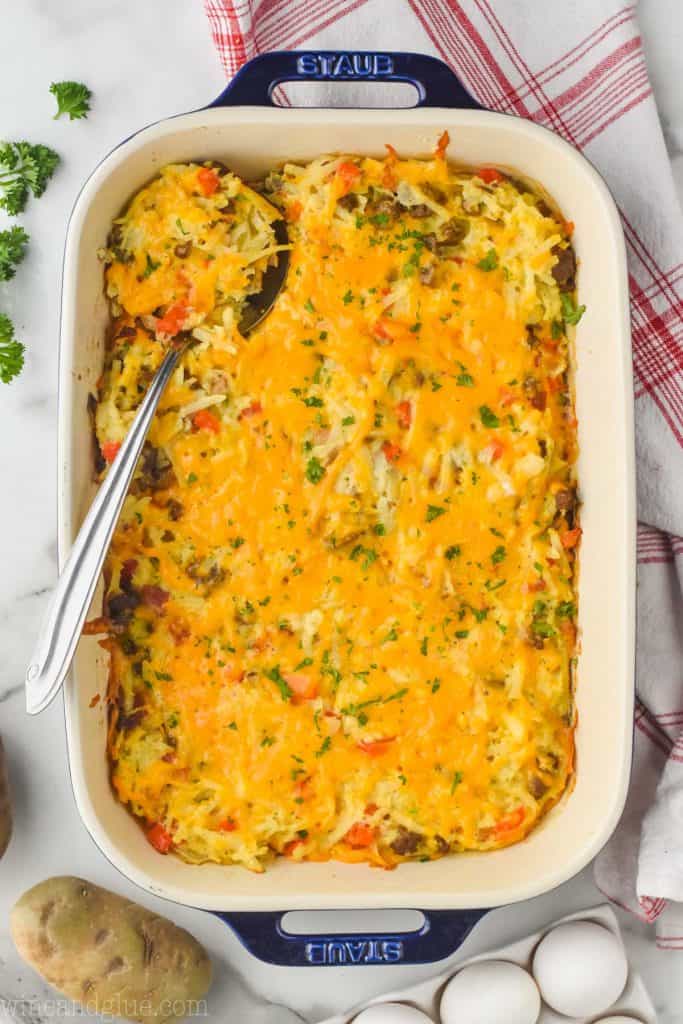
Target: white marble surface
145	60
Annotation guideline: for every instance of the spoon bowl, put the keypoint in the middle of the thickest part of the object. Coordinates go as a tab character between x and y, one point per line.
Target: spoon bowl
258	306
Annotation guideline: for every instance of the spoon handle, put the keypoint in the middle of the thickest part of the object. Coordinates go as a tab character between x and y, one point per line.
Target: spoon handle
70	601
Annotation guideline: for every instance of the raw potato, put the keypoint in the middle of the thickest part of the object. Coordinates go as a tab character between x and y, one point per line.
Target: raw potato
112	955
5	806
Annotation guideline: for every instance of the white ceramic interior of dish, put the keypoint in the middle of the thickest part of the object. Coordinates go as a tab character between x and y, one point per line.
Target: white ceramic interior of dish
250	141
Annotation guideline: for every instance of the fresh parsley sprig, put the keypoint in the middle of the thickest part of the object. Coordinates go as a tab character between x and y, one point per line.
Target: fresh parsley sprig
13	244
24	168
73	98
11	351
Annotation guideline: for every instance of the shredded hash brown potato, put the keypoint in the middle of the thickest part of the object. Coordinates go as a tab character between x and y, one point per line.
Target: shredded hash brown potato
340	600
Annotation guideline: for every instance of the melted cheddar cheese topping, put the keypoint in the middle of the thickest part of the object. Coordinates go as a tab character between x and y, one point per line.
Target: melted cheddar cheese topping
340	598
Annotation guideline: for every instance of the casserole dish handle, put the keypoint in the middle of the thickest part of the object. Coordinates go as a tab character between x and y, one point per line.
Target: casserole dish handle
435	83
440	934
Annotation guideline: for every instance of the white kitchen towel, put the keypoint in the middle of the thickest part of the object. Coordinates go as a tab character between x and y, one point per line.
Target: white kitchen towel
578	68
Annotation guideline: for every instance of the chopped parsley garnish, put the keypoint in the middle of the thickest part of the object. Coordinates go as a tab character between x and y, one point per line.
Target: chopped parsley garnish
464	380
543	629
490	261
313	402
494	586
347	297
457	779
315	470
73	98
326	744
433	512
571	313
556	330
327	669
462	634
452	552
237	542
479	613
308	306
369	555
498	555
565	610
424	646
150	266
488	417
540	626
379	529
396	696
348	421
275	676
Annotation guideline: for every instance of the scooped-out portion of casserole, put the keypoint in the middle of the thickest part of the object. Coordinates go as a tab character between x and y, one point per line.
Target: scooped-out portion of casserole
340	601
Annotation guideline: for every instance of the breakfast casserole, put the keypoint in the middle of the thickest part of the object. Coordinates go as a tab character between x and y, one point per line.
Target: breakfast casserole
340	601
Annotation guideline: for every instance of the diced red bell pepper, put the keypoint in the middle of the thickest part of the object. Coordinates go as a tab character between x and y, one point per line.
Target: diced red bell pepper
570	538
110	450
510	822
204	419
404	414
392	452
173	319
208	180
489	175
360	836
251	410
348	175
291	846
375	748
495	448
381	331
161	840
303	687
442	145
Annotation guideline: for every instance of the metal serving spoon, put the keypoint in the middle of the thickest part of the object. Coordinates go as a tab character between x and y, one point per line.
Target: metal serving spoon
61	628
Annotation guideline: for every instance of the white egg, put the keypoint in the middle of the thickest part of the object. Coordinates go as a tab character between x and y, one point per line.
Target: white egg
391	1013
491	992
581	968
619	1020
